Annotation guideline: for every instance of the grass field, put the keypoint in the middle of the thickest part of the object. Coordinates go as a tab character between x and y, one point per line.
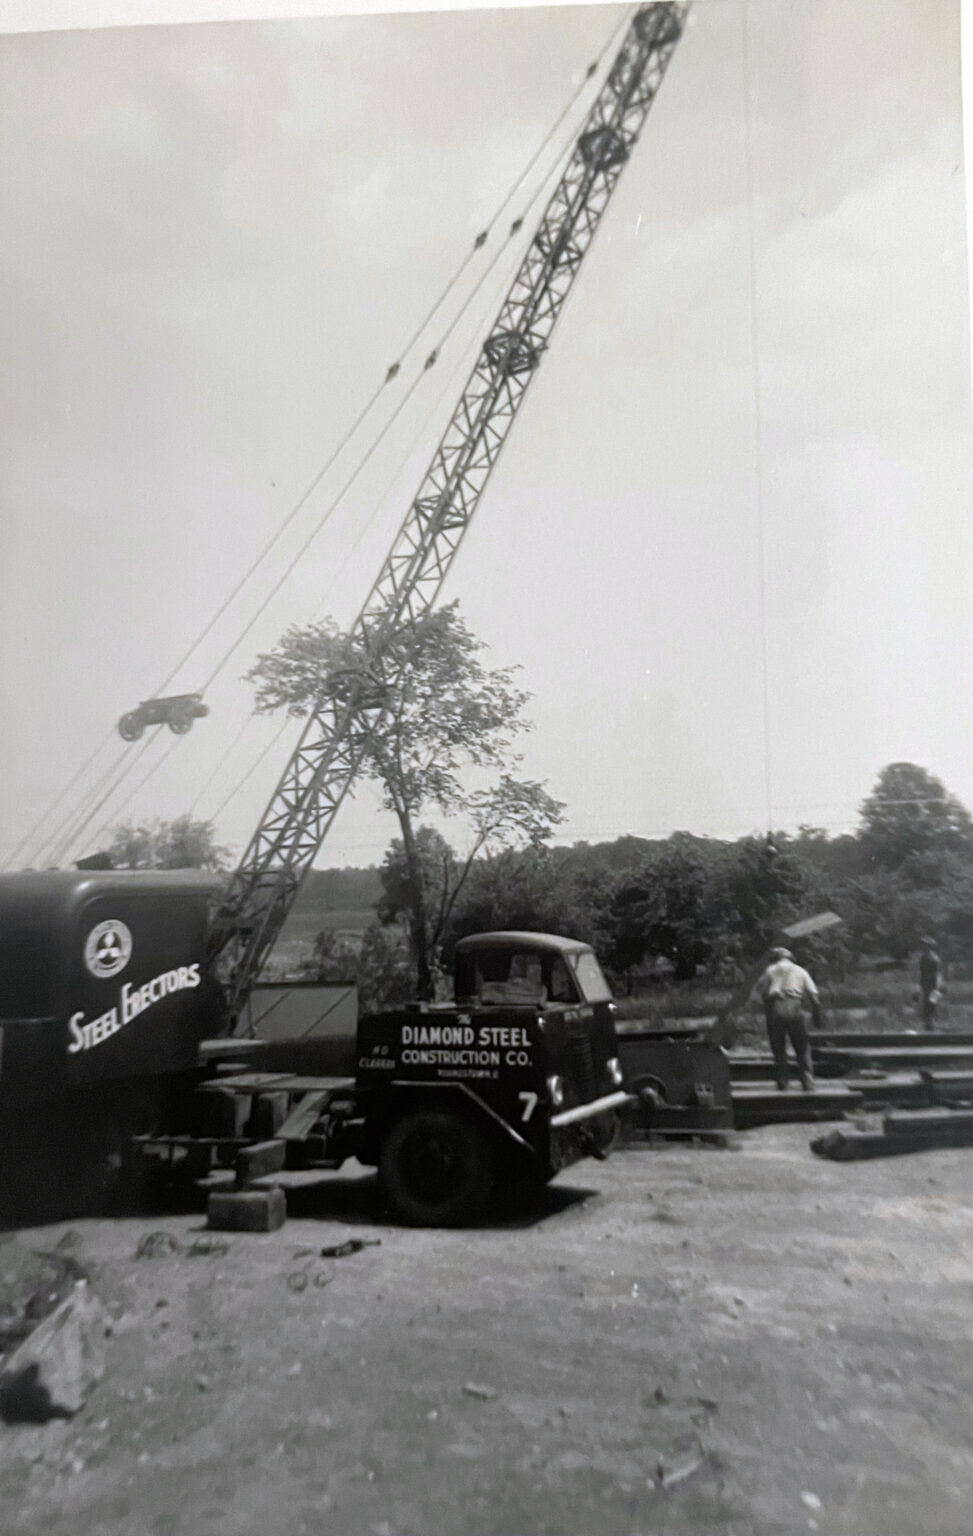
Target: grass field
865	1000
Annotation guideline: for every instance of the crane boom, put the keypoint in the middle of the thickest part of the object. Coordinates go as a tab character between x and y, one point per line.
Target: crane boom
336	735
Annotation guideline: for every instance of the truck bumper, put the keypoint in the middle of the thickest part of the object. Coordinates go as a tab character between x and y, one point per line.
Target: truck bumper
587	1130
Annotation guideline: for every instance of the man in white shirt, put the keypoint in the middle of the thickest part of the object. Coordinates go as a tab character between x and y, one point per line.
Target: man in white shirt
788	993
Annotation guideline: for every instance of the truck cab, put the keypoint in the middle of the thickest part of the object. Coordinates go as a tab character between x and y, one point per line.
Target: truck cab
514	1080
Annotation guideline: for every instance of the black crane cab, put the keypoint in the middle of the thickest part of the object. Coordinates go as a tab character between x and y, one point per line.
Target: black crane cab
104	1000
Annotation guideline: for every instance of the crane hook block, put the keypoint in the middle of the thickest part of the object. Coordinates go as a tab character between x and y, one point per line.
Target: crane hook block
177	712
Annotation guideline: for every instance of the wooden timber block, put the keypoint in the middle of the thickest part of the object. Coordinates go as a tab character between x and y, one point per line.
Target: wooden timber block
269	1114
246	1210
259	1160
935	1122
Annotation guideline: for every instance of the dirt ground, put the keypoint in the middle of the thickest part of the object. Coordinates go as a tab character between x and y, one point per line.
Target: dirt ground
680	1342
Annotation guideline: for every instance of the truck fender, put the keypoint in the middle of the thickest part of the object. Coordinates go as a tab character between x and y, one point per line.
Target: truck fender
409	1093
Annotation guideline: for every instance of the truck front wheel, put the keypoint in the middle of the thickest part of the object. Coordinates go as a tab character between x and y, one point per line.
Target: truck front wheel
436	1169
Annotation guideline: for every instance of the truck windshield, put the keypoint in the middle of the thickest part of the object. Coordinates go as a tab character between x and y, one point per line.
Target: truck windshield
594	987
511	977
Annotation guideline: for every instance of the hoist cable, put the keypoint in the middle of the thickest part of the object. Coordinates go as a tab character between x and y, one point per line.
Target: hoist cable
484	234
757	414
106	825
53	805
253	767
76	832
71	817
223	761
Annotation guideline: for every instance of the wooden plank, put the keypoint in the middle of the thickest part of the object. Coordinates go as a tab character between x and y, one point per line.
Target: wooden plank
934	1122
840	1092
819	923
904	1038
302	1118
286	1082
259	1160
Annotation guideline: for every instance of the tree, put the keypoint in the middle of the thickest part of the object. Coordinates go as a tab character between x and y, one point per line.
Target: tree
442	714
668	908
380	967
910	813
332	959
764	885
539	889
179	844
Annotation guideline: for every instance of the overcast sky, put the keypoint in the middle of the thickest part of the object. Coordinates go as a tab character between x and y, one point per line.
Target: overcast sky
217	238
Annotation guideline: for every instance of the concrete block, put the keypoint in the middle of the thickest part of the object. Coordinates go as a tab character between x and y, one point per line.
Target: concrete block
246	1210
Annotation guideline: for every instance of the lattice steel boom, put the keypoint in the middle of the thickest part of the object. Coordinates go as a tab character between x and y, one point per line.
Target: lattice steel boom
335	737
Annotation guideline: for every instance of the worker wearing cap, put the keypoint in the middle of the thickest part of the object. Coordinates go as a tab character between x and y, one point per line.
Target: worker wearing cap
788	993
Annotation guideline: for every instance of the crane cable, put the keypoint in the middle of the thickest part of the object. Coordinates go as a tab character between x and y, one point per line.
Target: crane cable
70	819
77	829
52	807
757	412
392	373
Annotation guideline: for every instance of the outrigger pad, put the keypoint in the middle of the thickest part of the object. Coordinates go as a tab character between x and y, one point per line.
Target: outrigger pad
246	1210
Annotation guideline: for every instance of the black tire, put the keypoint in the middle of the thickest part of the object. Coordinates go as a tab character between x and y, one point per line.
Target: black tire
131	726
180	721
436	1169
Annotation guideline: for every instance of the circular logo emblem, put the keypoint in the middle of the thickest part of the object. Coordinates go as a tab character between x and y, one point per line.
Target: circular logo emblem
108	949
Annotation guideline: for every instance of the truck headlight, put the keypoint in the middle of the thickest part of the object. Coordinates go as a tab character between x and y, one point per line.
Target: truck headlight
615	1073
555	1087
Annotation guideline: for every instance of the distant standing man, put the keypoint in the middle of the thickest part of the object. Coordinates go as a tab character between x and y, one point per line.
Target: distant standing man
788	994
930	982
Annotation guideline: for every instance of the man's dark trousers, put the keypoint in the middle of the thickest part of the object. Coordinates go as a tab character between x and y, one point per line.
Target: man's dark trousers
786	1023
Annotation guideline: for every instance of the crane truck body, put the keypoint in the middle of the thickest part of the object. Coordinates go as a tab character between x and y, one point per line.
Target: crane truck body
112	1018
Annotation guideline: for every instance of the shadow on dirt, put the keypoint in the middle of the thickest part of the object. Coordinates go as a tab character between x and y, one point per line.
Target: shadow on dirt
355	1201
358	1201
